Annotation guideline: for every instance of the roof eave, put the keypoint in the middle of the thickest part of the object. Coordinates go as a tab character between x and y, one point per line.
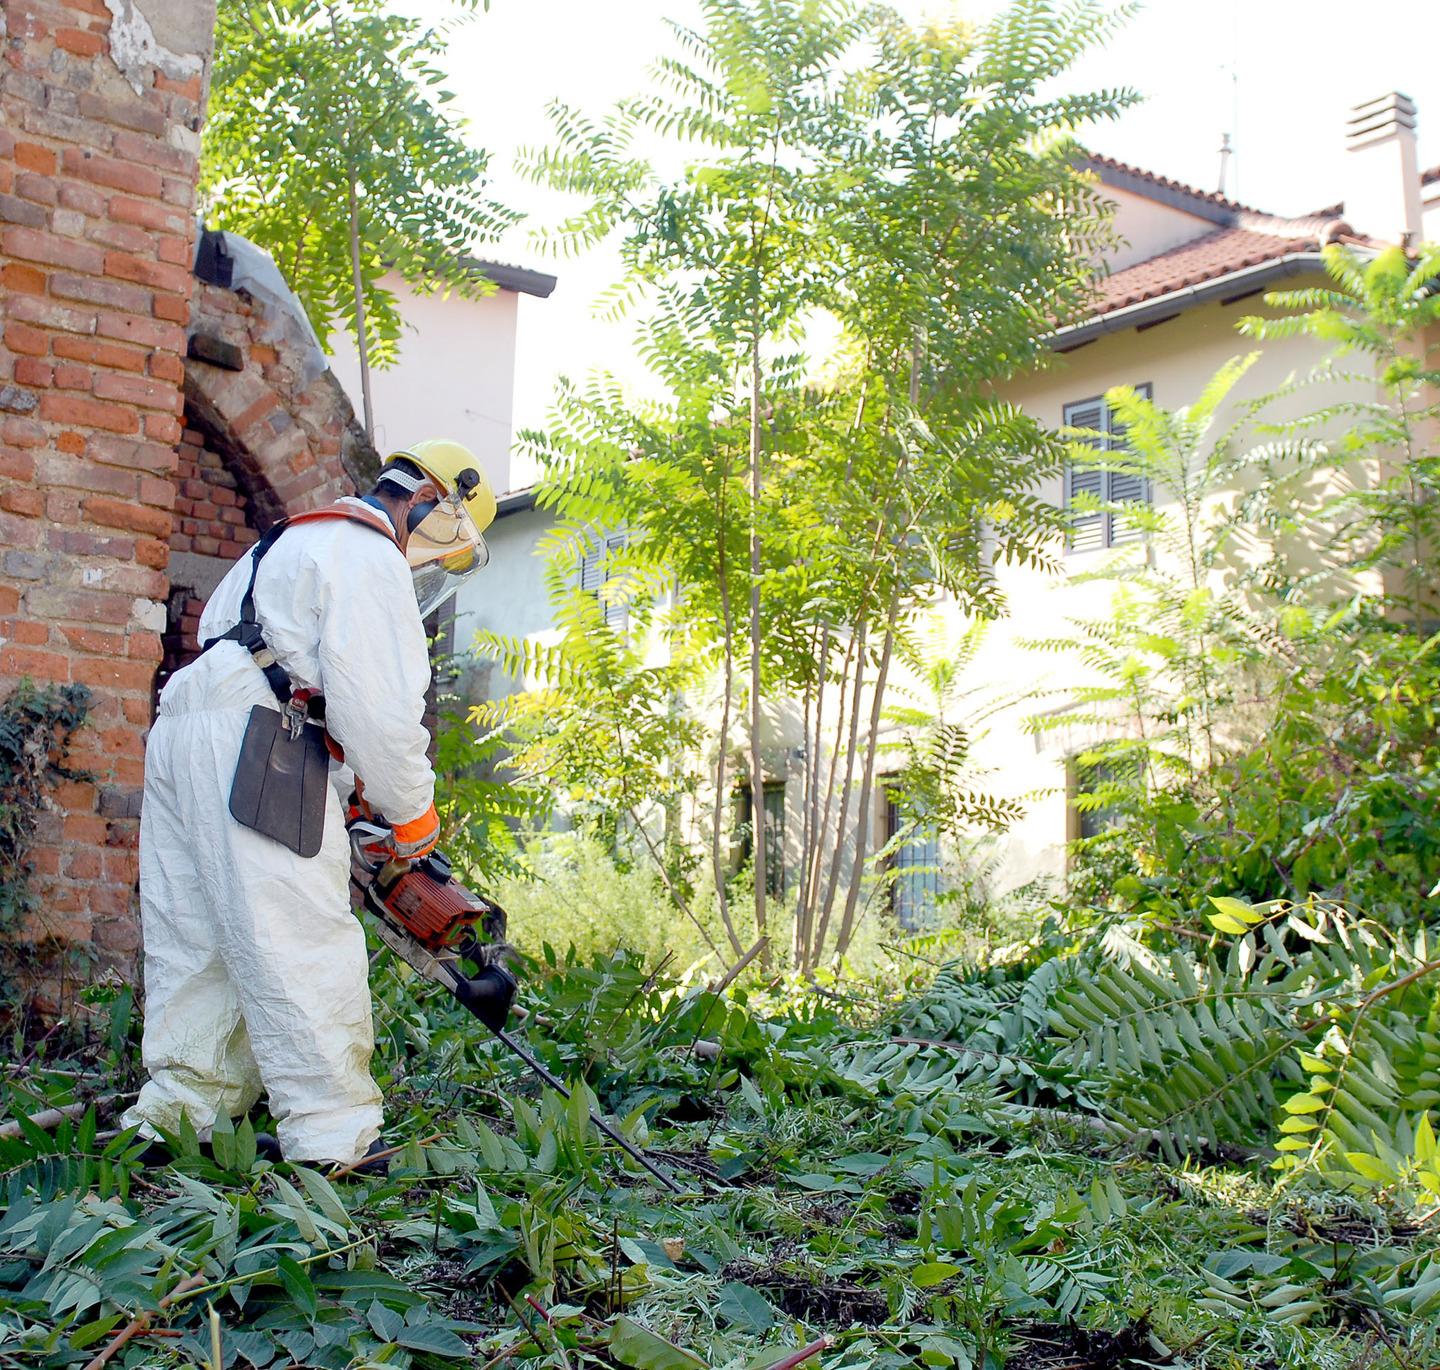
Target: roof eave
1173	197
516	502
1173	302
517	278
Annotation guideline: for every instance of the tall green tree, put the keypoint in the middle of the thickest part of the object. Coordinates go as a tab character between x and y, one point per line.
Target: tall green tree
911	193
329	142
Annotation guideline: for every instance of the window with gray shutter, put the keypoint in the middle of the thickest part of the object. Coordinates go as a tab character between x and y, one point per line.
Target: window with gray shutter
1090	532
598	569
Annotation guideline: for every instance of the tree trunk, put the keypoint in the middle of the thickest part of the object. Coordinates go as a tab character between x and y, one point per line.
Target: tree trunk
867	784
757	774
717	860
832	883
362	346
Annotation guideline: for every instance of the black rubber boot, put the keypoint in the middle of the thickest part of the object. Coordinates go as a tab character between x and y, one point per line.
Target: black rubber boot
377	1169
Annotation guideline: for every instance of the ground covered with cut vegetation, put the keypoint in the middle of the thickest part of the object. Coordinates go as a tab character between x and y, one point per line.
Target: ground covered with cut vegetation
1068	1159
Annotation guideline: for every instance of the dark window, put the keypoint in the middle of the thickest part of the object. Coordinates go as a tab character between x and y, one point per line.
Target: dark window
774	799
1092	532
915	864
598	569
1090	819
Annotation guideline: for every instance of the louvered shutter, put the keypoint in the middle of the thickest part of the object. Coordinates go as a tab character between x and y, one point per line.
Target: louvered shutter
592	569
1125	487
1087	531
616	613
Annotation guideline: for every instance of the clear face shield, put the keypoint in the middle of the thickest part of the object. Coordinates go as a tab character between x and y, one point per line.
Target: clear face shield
445	548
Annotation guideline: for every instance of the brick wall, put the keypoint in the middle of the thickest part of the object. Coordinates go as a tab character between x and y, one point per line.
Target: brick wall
97	190
211	511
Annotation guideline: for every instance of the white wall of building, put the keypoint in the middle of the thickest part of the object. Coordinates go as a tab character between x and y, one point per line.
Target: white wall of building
1146	229
455	377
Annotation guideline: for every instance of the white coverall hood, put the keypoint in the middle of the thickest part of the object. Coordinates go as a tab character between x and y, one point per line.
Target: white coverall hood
255	965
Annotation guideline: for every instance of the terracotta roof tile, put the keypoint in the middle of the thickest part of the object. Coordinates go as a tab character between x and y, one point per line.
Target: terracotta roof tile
1202	259
1209	197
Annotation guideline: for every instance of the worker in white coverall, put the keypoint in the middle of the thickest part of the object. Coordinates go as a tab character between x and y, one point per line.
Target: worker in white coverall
255	965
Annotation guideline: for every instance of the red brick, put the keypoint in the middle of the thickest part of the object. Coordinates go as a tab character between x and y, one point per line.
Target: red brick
25	279
262	354
157	458
33	157
70	441
134	518
123	237
136	147
189	87
165	366
61	507
29	504
107	171
146	214
75	542
16	466
108	673
34	245
229	547
174	307
9	599
97	290
20	432
176	250
16	531
155	555
90	606
27	634
93	640
83	863
33	186
72	376
85	829
52	314
162	275
100	353
151	394
136	710
145	332
89	413
80	42
18	661
207	547
21	337
266	404
32	371
86	199
162	428
160	493
69	472
204	510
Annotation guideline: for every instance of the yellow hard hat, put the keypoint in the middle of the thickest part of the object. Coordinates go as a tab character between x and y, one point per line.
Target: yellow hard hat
447	463
444	541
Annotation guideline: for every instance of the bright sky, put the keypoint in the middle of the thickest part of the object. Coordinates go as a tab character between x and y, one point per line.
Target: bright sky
1279	77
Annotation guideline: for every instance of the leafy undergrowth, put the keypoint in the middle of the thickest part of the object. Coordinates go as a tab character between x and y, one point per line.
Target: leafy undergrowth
959	1182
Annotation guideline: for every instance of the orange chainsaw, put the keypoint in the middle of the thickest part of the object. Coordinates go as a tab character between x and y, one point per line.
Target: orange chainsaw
433	923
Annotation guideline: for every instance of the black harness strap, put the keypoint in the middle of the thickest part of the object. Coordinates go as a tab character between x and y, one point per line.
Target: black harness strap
247	632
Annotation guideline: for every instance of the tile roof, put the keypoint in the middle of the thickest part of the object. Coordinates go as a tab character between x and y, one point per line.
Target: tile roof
1240	240
1214	254
1163	183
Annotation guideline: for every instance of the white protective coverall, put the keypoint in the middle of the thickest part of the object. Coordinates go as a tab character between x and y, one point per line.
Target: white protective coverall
255	966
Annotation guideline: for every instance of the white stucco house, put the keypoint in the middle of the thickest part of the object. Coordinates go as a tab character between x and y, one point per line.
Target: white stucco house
1188	266
455	377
